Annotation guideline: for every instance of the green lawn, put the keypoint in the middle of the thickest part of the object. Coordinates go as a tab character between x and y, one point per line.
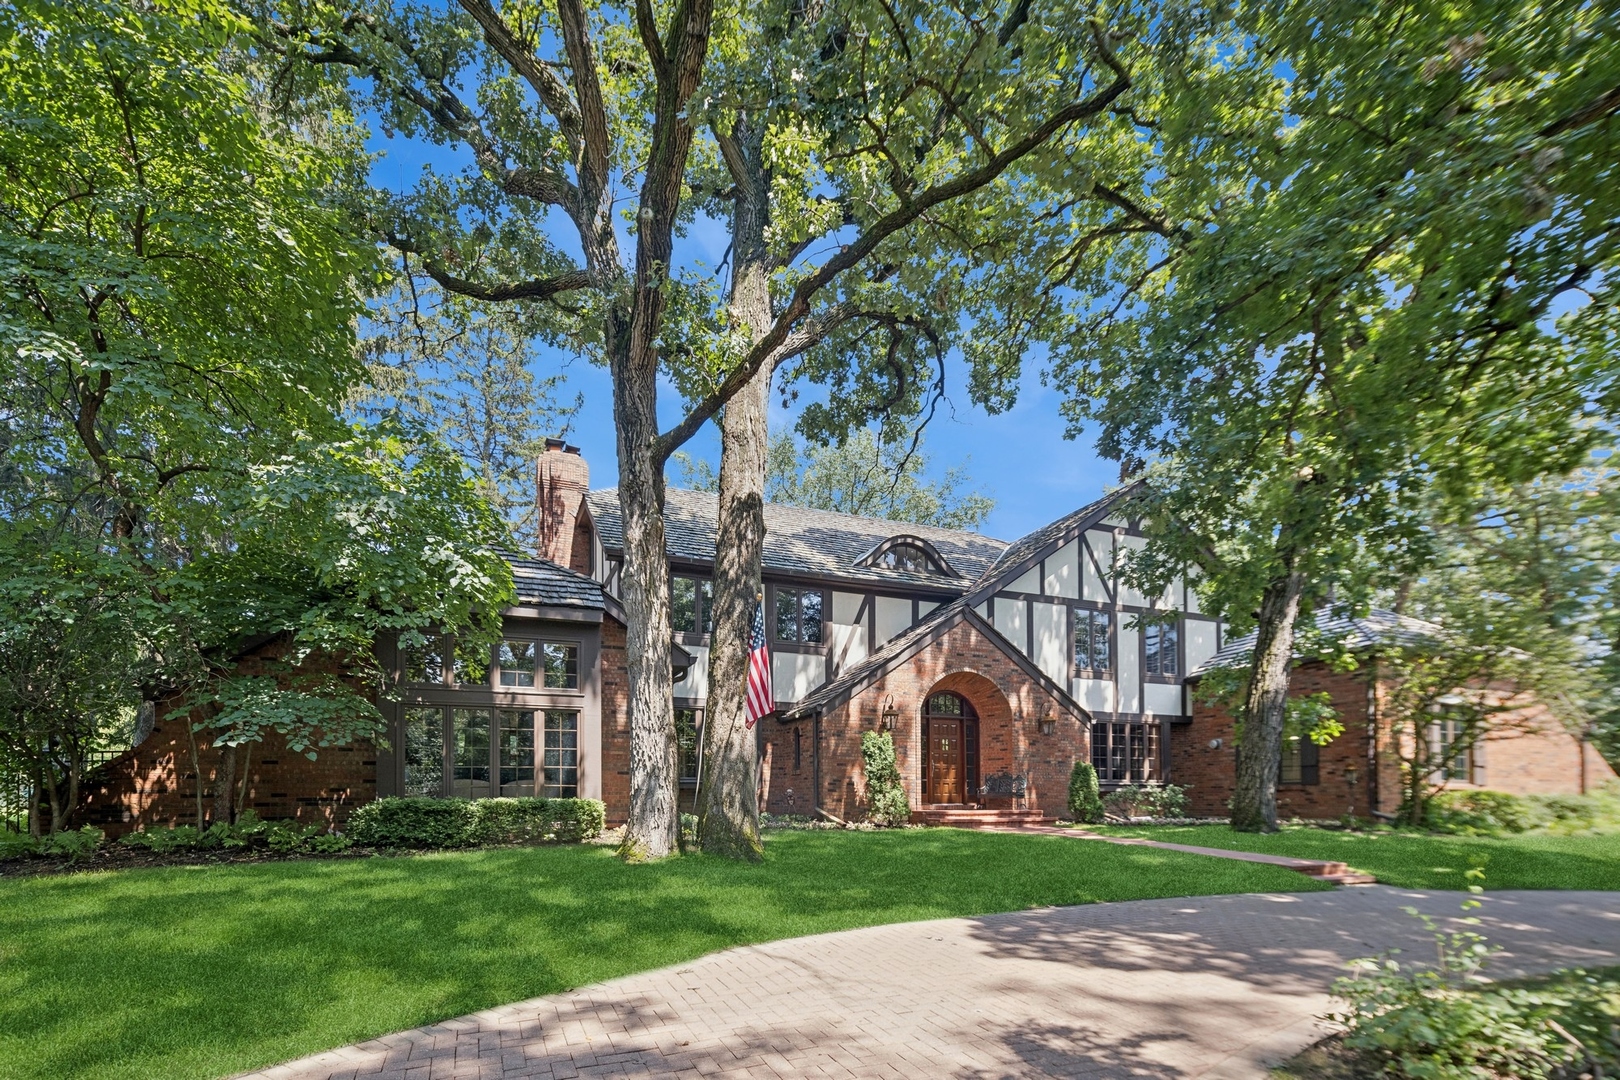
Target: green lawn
204	971
1420	861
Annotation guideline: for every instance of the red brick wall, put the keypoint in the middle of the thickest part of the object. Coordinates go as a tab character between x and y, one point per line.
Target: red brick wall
1208	772
1009	703
615	723
1529	753
156	782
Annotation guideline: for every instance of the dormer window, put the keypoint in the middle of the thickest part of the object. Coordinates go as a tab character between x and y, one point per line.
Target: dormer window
910	554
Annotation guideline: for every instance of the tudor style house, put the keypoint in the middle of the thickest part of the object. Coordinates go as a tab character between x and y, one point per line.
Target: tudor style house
996	666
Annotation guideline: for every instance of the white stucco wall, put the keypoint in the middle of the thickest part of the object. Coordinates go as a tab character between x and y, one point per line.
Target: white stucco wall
1051	625
893	617
1163	700
1063	571
793	675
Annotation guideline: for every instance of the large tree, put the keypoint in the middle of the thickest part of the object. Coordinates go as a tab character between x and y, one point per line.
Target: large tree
851	149
1393	274
865	475
176	480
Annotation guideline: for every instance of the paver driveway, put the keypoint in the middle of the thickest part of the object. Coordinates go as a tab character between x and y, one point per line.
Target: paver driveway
1214	986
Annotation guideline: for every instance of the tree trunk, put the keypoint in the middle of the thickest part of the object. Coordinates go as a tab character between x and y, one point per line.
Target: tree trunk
728	790
225	786
653	826
1254	798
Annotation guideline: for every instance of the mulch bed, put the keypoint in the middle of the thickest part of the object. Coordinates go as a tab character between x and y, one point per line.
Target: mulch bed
119	857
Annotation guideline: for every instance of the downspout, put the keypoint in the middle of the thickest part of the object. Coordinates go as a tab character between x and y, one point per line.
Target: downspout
1372	739
815	767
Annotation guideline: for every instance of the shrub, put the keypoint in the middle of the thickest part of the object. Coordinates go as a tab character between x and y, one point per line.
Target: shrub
886	802
451	823
249	833
1085	803
73	844
14	845
164	840
1480	811
1439	1023
1151	799
534	821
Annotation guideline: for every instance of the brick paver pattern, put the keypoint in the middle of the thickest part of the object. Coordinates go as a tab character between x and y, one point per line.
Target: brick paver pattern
1216	986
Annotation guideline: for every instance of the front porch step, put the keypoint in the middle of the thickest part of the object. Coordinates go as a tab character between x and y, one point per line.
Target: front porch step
965	818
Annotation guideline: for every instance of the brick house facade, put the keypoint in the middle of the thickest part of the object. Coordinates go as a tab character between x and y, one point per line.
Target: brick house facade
998	666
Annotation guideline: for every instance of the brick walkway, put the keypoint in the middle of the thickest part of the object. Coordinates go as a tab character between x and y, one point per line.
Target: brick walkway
1201	987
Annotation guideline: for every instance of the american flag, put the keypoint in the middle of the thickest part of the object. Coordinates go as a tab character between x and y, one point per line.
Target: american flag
761	701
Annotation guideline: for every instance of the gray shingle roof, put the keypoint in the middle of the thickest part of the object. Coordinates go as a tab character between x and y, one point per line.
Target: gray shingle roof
547	584
818	543
1357	633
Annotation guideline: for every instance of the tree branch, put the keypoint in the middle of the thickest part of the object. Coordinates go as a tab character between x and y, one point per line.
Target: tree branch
534	289
547	84
798	305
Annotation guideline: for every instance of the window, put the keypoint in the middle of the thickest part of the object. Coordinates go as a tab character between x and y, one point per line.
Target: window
561	778
516	747
691	605
1093	641
946	704
469	668
517	663
1162	646
1444	737
908	557
1301	761
1125	753
798	615
469	746
562	666
424	753
688	729
424	663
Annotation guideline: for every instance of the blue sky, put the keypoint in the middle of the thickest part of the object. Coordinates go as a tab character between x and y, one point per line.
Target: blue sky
1019	458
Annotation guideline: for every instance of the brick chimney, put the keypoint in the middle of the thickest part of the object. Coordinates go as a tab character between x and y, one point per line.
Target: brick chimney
561	480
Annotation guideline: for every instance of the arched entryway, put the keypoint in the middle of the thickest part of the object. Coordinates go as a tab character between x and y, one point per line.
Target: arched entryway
950	749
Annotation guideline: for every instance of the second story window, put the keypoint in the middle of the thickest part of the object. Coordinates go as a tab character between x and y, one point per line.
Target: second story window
424	663
1093	642
562	665
691	605
517	663
1162	649
907	557
798	615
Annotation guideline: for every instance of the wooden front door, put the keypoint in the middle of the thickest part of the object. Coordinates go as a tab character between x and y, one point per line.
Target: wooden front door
945	769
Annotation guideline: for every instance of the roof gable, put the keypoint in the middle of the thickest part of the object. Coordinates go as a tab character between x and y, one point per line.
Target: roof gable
1027	550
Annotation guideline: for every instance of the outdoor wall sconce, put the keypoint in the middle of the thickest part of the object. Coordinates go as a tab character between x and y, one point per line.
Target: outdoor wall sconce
891	715
1214	744
1048	725
1350	775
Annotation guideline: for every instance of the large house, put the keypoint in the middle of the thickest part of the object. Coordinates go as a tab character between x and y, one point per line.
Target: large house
996	666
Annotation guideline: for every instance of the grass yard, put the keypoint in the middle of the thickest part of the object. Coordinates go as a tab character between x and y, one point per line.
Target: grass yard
1421	861
205	971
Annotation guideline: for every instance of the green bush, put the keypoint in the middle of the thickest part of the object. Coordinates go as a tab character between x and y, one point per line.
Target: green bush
452	823
1085	801
164	840
886	802
249	833
1440	1023
74	844
1472	811
1151	799
535	821
14	845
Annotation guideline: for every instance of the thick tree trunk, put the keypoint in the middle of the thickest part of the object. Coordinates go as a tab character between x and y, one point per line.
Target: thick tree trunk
728	791
1254	798
653	826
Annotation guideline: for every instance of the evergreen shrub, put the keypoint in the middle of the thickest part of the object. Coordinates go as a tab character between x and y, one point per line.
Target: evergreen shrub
886	802
1085	799
453	823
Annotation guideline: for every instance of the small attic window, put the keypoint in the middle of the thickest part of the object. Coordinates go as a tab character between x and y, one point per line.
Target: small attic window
911	554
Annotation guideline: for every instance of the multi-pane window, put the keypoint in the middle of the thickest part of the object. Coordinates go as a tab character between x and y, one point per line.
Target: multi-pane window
469	753
1125	753
1450	750
798	615
1093	641
1162	649
688	725
561	764
907	557
515	748
562	665
691	605
424	752
424	663
517	663
1300	762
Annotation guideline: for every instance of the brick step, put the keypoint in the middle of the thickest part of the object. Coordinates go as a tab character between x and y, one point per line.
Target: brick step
965	818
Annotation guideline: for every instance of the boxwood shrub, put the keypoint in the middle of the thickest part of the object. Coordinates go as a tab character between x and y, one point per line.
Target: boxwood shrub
452	823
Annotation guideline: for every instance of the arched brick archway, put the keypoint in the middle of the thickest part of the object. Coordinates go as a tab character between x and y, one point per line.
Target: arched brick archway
962	715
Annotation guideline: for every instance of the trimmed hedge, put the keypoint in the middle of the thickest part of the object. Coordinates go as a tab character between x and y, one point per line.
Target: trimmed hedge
453	823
